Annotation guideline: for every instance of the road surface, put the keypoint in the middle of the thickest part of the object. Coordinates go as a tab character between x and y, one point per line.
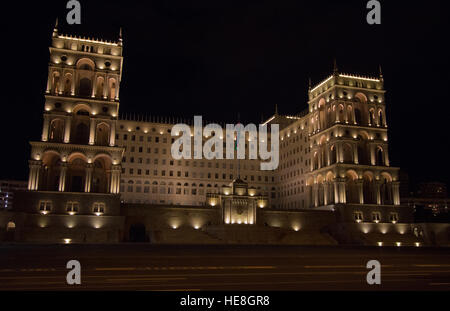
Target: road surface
197	268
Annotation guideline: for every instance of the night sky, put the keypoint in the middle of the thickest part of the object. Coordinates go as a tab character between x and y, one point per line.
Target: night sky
221	58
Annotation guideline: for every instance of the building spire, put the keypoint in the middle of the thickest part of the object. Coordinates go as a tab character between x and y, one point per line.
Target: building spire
120	36
309	84
276	109
55	30
380	72
335	68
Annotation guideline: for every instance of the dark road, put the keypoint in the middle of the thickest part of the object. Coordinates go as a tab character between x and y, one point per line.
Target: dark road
192	268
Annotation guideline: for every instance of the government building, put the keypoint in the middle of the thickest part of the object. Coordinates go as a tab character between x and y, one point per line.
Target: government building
98	177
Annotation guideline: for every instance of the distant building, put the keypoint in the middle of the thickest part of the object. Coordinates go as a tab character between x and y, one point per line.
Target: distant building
430	198
7	190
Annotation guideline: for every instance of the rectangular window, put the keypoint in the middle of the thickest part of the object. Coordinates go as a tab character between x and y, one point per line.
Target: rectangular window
376	217
358	216
99	208
393	217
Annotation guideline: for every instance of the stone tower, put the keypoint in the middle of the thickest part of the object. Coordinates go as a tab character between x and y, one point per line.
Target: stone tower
349	145
77	153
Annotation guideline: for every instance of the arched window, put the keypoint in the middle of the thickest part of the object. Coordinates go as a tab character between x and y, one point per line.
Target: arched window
368	189
347	153
76	176
358	118
380	157
332	154
81	135
68	84
350	114
100	87
85	88
371	117
351	190
112	89
340	115
386	189
56	130
102	134
380	117
56	82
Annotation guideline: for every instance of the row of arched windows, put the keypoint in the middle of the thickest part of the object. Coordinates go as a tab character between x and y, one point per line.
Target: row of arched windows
80	130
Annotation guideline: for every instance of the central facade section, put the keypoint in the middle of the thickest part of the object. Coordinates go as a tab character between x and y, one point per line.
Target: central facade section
238	203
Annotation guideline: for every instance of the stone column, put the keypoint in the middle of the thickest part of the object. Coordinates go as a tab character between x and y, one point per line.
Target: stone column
92	132
359	186
49	79
112	137
62	177
117	89
377	191
115	179
339	153
341	196
386	155
372	154
88	181
45	127
327	155
345	113
355	154
68	125
33	178
72	84
315	189
384	117
325	193
319	158
396	192
94	87
106	87
336	191
318	121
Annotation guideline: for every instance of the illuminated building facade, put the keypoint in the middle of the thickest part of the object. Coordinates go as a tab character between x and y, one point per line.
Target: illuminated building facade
97	177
